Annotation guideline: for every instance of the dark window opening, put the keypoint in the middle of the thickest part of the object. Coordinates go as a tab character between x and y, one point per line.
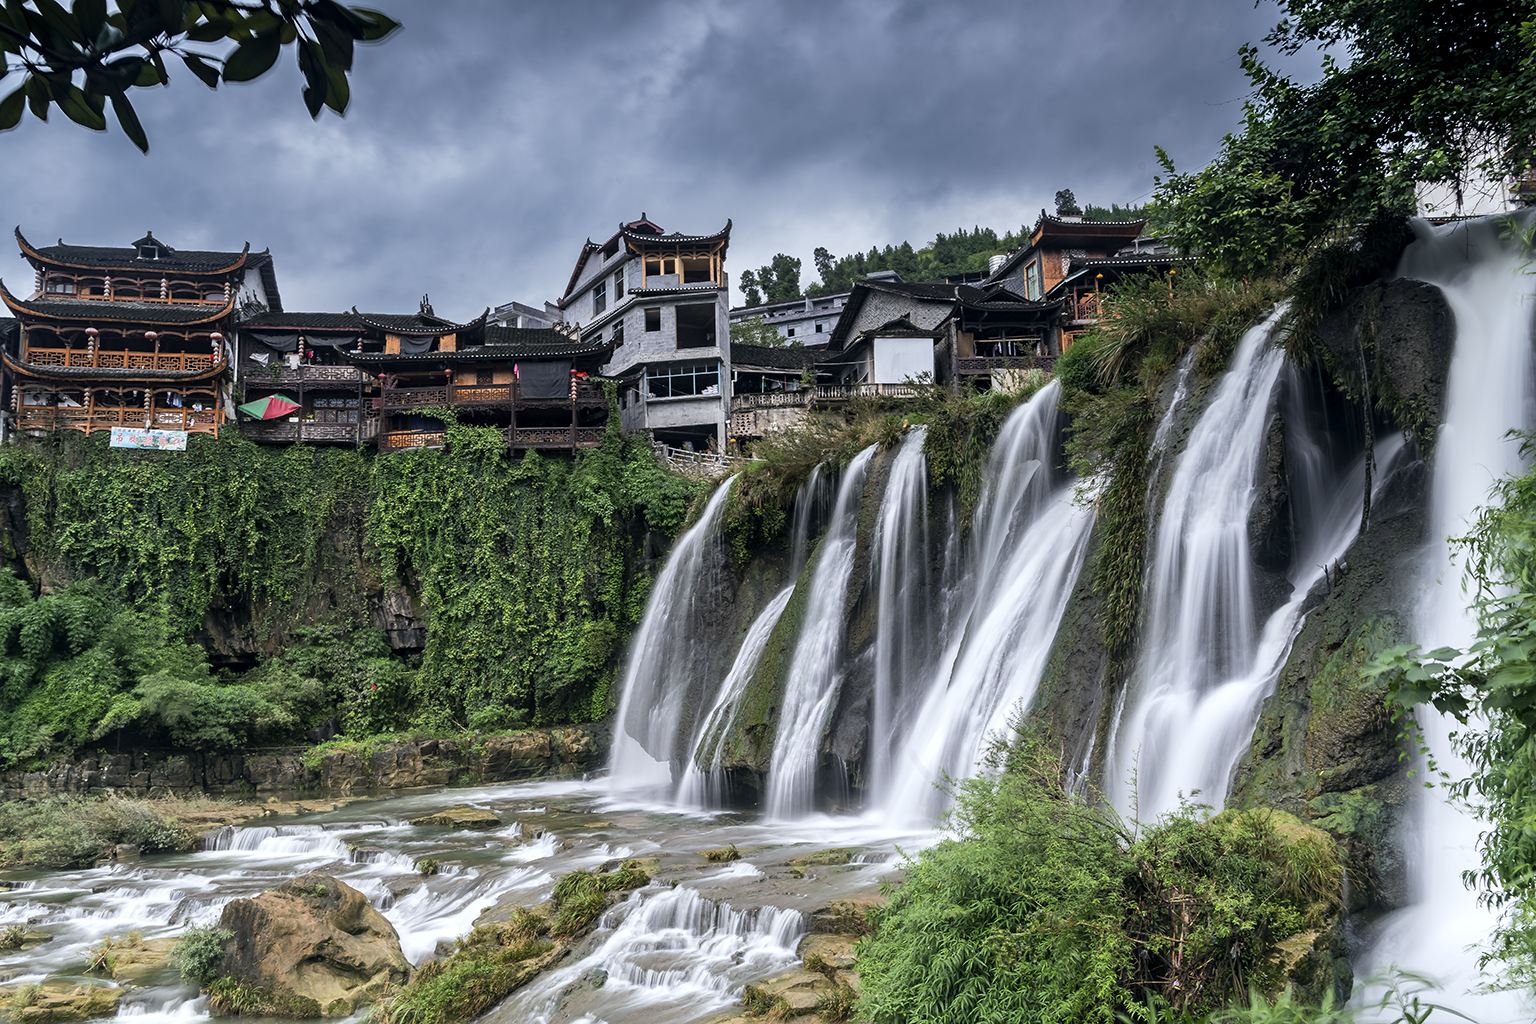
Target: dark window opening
653	319
485	376
61	287
681	380
618	286
335	410
599	297
149	252
791	333
696	326
820	328
618	334
609	249
697	271
653	268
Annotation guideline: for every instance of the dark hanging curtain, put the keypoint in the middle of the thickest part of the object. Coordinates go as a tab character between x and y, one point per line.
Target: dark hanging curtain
545	378
415	345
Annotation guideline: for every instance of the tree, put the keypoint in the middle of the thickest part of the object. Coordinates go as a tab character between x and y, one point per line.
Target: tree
779	281
1066	204
1424	92
754	330
82	58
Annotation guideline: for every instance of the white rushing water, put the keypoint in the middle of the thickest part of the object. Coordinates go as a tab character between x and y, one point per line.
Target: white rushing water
903	627
1027	549
668	657
1488	284
816	669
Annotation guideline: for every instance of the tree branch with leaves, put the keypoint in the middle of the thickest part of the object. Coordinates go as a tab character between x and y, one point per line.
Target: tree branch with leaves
82	58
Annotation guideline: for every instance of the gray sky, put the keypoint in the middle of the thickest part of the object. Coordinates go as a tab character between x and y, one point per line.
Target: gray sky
486	141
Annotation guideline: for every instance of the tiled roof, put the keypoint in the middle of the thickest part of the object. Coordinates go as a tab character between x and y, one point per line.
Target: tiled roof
501	343
644	237
114	311
302	322
416	323
778	357
192	261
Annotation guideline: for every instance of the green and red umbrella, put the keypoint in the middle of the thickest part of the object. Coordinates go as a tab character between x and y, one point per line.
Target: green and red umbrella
270	408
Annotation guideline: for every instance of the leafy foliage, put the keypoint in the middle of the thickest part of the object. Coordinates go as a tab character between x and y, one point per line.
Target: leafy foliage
61	832
1045	907
754	330
779	281
1427	93
199	952
81	58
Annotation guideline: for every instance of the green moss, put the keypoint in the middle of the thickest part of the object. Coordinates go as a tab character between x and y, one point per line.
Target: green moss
228	997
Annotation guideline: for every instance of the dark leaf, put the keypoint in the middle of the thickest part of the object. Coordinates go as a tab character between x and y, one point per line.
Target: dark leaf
80	110
149	75
61	21
210	31
252	58
129	121
340	93
171	12
207	73
314	100
377	25
336	43
37	96
11	108
91	15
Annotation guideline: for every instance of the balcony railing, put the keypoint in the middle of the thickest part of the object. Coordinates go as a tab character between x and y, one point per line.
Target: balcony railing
281	431
971	365
185	362
52	417
820	393
281	375
449	395
522	437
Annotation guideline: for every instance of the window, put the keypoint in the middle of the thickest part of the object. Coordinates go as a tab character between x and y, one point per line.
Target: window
660	265
485	376
680	380
791	333
618	334
1032	281
653	319
61	287
618	286
599	297
821	328
696	325
336	410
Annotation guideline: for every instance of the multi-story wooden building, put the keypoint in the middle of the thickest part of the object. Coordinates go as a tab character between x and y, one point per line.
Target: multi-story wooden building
535	384
136	336
300	356
662	303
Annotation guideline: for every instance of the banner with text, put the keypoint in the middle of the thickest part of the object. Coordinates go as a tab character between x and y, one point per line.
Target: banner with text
160	440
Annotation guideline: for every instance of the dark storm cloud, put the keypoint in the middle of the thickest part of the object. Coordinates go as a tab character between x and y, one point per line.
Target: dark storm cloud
486	141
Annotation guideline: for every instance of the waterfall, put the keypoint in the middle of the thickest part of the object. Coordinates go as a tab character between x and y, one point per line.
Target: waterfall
701	788
670	656
1027	548
1488	287
900	576
815	671
1206	661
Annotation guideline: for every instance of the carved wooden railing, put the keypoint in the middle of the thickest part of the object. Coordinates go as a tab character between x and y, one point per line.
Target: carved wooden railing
289	376
986	364
449	395
37	417
117	360
522	437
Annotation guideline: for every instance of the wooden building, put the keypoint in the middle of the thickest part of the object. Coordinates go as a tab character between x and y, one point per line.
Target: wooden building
299	356
537	385
128	337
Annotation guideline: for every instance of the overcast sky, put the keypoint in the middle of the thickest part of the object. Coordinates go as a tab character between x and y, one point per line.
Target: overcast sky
487	140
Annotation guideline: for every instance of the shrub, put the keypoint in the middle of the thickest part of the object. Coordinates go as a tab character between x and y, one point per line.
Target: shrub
199	953
12	936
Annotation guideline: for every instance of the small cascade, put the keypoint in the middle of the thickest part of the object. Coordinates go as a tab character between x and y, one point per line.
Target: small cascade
700	788
1199	597
815	672
1487	283
810	518
900	579
667	954
1027	548
669	657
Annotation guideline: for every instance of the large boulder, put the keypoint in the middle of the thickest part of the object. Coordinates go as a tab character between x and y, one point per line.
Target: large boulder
312	947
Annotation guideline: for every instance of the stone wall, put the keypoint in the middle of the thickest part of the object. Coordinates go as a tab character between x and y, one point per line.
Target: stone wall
535	753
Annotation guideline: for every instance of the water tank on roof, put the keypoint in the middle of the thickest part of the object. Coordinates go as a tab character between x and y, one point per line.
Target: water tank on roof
996	262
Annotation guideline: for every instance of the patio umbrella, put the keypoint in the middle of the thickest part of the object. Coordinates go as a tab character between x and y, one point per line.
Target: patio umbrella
270	408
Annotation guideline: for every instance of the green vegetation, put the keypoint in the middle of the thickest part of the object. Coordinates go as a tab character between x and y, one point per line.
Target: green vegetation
1495	681
754	330
524	568
779	281
64	832
1045	907
581	896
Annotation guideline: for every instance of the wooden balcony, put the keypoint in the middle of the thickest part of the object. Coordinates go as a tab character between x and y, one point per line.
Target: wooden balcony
183	362
978	365
820	394
544	438
486	396
309	432
283	376
92	419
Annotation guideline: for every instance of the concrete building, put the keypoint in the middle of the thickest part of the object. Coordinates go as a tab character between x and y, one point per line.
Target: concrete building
662	301
806	321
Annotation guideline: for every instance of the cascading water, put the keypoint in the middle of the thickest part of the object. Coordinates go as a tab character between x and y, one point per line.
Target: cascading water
900	579
1487	283
670	658
1028	545
815	671
1206	661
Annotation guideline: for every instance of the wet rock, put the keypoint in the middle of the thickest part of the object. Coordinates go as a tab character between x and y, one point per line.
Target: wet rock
839	855
53	1002
460	817
312	947
836	951
395	613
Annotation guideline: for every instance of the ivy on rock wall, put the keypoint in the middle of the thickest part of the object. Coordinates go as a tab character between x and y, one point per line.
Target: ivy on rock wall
530	572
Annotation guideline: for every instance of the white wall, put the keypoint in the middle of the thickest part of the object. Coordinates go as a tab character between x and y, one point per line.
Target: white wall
896	359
